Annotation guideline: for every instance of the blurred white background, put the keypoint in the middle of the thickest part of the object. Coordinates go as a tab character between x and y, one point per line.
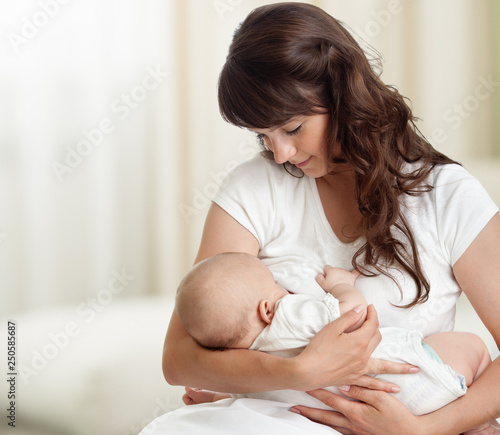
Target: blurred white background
111	146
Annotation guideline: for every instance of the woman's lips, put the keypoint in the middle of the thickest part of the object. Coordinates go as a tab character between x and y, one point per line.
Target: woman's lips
304	163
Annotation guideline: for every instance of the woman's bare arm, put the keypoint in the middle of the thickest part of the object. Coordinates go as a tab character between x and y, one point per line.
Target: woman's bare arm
333	358
478	274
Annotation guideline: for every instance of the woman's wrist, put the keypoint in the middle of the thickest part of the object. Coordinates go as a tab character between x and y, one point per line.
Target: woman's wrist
294	374
299	376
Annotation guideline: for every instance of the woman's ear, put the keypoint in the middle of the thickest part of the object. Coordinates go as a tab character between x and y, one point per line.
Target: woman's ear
266	311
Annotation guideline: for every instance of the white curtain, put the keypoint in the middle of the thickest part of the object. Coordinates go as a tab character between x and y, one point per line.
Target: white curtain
89	149
111	143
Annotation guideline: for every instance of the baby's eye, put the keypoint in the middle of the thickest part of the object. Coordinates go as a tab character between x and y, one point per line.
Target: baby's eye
291	133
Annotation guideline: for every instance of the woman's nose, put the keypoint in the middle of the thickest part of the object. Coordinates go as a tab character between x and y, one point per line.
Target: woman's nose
283	151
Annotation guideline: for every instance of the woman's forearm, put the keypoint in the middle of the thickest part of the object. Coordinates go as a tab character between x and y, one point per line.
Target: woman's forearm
480	404
331	358
230	371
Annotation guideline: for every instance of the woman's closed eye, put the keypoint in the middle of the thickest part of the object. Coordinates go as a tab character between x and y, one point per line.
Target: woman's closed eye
261	136
295	131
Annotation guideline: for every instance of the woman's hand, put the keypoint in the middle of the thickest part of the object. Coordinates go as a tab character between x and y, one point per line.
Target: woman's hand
376	413
334	357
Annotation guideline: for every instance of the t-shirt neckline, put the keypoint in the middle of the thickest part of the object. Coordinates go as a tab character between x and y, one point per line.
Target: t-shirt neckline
324	220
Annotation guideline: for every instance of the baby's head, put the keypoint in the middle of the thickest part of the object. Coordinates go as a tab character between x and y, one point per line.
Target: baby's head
226	300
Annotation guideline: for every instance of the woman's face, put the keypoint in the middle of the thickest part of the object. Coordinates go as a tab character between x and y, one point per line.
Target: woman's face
301	141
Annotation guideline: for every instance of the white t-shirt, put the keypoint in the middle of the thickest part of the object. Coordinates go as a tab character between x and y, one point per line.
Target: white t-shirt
286	216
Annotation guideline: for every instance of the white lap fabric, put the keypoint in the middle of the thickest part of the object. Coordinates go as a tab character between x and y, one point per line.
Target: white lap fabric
235	416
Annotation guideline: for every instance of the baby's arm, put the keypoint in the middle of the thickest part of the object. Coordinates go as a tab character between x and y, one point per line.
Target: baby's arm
340	284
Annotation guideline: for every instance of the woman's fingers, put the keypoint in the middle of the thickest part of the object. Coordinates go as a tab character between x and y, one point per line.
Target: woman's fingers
376	384
334	419
371	317
348	320
347	412
379	366
370	397
369	412
329	418
369	330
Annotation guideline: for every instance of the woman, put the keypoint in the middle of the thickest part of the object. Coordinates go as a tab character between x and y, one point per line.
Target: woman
353	184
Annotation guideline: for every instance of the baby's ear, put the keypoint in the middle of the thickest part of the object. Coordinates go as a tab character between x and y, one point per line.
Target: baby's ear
266	311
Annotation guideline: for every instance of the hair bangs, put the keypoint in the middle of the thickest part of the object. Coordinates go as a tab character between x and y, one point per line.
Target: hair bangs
252	100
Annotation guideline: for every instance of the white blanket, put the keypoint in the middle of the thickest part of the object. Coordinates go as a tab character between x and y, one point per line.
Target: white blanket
235	416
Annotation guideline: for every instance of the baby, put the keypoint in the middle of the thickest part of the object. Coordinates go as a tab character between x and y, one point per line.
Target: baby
232	301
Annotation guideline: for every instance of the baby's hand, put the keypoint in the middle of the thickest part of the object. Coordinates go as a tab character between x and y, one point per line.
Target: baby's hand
333	276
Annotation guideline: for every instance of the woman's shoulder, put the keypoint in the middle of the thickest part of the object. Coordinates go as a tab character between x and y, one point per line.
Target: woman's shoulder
445	178
258	165
259	174
449	173
453	183
450	190
253	193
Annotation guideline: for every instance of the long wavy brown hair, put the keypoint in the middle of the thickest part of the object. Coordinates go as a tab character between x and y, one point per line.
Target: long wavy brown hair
290	59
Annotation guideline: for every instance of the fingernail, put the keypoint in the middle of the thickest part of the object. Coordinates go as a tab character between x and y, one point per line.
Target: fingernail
358	309
295	410
395	389
345	387
414	370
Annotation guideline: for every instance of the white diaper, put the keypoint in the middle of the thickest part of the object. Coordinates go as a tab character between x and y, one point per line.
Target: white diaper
436	385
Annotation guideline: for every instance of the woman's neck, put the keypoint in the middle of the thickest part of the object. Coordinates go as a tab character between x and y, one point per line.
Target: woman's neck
338	198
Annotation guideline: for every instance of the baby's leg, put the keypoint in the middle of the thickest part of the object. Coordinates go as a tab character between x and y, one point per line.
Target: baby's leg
464	352
194	396
468	355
